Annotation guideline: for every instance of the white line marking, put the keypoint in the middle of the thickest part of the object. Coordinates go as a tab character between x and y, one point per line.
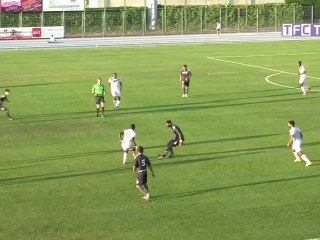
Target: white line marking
269	55
265	68
255	66
267	80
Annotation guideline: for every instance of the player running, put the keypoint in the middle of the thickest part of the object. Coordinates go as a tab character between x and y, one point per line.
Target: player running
296	141
177	141
302	73
127	140
141	164
115	84
3	98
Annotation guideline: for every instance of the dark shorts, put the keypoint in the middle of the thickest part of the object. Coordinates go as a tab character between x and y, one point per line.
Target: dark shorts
186	83
2	108
142	178
173	143
99	99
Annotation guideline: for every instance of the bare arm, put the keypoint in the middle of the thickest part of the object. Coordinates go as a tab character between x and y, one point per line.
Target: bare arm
290	141
151	169
121	136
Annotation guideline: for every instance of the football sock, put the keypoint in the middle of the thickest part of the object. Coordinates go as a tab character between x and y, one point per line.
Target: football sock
305	158
296	155
125	154
118	103
97	112
102	110
141	189
303	90
114	103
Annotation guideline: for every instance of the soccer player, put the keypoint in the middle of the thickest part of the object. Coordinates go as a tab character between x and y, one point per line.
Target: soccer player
98	90
296	141
3	98
302	73
128	142
218	29
176	141
185	75
115	84
52	39
141	164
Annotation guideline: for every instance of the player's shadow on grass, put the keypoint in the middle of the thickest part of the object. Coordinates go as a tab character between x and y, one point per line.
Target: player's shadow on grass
209	190
200	106
189	106
41	84
58	176
60	157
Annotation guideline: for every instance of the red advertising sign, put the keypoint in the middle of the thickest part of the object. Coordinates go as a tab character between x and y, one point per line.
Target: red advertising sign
21	5
36	32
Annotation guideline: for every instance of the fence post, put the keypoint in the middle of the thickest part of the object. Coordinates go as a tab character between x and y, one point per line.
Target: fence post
164	17
257	9
201	23
185	16
20	19
294	14
104	22
246	15
275	18
238	19
226	16
124	18
312	13
42	20
63	21
83	23
0	18
181	22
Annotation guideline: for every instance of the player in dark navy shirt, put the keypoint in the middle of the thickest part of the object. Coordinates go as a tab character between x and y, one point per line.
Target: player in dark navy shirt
177	141
141	164
3	98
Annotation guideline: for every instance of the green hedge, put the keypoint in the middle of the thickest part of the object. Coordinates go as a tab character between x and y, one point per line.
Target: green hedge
170	18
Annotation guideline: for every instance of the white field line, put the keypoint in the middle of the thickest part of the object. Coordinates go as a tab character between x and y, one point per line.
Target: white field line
270	76
268	55
264	68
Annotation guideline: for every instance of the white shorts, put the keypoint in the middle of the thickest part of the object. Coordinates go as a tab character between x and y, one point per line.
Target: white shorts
127	146
302	79
116	93
296	146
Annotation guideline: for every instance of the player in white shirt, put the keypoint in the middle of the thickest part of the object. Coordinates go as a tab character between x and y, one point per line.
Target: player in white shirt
302	73
127	140
218	29
296	141
115	84
52	39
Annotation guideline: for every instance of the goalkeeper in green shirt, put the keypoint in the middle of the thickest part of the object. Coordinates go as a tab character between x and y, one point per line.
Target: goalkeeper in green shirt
98	90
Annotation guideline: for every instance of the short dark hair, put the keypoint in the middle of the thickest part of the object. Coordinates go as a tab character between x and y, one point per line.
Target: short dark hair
184	65
132	126
291	122
168	122
139	149
300	62
7	90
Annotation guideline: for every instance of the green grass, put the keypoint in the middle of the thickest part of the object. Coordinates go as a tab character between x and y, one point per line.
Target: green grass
61	175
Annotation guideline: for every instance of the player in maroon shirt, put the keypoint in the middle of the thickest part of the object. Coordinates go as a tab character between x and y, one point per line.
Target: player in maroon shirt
185	75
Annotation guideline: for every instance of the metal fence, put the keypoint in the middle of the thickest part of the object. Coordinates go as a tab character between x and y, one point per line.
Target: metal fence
126	21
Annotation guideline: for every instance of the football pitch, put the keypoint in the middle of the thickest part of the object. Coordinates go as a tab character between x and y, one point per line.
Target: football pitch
61	172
